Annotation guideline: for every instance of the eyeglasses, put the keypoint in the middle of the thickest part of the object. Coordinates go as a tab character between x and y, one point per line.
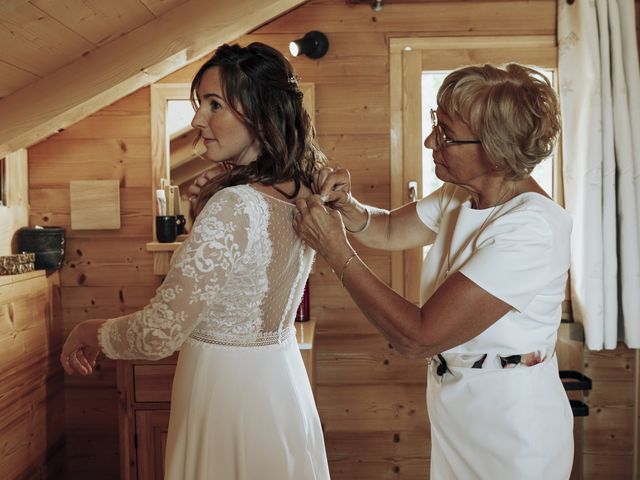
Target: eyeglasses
441	138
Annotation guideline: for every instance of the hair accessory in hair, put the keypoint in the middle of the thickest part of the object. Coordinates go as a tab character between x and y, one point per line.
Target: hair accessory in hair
294	79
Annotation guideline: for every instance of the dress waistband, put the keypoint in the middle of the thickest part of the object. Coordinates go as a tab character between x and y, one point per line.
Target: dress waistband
262	340
495	361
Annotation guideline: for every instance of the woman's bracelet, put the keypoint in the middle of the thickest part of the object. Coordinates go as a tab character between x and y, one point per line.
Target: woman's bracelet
344	267
366	223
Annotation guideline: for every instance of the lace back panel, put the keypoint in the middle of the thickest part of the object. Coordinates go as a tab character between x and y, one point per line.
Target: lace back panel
259	304
237	280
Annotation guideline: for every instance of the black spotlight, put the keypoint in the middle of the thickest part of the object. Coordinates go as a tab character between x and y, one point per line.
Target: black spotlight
314	45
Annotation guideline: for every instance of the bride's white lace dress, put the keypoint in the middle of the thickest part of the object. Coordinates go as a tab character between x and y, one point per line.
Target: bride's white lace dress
241	405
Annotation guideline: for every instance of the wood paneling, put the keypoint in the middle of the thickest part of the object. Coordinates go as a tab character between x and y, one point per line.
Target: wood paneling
50	207
432	19
32	411
98	22
379	455
37	43
372	407
342	359
105	273
371	401
608	440
92	430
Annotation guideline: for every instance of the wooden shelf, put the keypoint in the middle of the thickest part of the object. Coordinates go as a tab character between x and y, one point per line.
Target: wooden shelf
162	254
162	247
19	277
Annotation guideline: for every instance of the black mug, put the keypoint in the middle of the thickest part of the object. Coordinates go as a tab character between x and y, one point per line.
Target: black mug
166	228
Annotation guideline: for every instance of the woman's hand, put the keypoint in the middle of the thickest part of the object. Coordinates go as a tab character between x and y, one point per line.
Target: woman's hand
196	187
81	349
334	187
321	228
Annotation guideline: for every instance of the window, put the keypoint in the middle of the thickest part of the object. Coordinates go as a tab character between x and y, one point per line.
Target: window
179	116
417	67
431	81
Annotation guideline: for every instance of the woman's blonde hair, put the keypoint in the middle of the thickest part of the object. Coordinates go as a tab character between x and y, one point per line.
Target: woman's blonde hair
512	109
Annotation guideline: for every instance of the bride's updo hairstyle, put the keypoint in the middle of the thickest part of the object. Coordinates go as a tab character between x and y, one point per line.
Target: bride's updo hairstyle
512	109
260	81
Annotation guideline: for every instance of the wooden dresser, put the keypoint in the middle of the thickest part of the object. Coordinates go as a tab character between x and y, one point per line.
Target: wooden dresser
32	402
144	390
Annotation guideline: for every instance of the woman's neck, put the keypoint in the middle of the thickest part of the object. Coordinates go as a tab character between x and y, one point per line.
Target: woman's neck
495	193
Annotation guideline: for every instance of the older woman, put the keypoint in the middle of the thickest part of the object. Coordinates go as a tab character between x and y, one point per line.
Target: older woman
492	283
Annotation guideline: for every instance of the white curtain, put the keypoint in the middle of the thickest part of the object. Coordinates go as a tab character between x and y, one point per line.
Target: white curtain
599	81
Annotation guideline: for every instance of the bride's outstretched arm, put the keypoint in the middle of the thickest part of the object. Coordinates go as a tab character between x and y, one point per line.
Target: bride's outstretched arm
199	271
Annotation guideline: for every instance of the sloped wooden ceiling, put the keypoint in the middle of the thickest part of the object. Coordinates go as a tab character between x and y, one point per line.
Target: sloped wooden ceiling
62	60
40	36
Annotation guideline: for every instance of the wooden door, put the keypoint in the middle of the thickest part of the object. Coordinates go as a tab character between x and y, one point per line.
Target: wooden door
151	434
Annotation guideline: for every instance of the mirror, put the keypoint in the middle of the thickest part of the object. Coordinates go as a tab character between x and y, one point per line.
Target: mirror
185	160
172	152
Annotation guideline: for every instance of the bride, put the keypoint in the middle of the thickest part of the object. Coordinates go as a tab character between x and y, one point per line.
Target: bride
241	405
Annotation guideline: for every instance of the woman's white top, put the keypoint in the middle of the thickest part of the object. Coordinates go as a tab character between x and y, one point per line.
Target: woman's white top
517	251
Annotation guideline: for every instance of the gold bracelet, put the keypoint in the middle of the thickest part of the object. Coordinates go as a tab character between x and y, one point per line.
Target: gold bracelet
344	267
366	223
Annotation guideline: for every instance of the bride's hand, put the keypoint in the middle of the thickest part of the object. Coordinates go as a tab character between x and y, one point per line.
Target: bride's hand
196	187
81	348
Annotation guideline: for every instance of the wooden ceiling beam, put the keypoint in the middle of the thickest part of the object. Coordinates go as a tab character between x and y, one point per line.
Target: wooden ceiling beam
141	57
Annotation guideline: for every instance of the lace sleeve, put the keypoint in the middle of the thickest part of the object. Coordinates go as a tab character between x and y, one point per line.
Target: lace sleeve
199	271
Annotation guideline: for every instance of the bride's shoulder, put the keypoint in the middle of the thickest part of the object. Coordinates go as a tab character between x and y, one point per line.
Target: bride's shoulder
235	198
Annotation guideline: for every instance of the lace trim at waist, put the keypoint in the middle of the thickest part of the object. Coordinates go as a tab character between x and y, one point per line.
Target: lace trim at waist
226	340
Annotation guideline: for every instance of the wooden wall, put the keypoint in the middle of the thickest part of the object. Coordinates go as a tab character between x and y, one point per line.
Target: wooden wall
32	422
372	402
105	273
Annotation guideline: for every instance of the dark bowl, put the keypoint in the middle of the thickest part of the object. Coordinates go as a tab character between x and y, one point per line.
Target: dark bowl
49	260
31	239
